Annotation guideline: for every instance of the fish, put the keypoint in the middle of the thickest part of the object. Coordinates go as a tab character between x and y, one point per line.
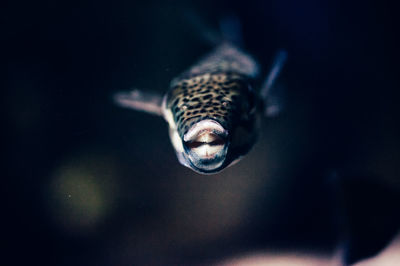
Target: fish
212	109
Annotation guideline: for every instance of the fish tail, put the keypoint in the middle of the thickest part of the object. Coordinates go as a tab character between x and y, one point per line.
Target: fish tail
204	31
231	30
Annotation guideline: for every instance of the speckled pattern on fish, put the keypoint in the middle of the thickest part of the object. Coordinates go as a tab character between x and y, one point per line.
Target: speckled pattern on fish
211	108
224	97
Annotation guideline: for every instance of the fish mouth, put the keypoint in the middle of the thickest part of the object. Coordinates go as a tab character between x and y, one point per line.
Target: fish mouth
206	145
207	126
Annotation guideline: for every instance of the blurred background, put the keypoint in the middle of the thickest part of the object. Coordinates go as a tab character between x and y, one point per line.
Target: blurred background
88	183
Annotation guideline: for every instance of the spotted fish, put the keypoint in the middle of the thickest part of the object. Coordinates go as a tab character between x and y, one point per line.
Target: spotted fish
212	109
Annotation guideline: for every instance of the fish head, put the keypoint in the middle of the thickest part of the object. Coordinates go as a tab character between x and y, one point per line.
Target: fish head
206	145
211	120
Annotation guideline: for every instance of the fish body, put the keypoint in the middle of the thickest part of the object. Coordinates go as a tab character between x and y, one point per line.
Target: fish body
212	109
216	90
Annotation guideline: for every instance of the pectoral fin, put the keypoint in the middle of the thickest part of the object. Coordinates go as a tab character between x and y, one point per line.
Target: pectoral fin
140	100
272	95
275	101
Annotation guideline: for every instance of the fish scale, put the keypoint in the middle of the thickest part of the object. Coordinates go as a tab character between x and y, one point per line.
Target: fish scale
217	96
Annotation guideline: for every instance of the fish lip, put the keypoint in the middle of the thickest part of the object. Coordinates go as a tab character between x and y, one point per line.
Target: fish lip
204	171
208	166
205	125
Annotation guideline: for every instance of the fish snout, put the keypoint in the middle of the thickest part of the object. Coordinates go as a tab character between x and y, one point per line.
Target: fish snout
206	145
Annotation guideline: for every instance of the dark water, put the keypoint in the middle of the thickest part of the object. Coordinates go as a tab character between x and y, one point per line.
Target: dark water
88	183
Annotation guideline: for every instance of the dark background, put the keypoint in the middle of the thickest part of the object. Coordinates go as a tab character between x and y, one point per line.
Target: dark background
88	183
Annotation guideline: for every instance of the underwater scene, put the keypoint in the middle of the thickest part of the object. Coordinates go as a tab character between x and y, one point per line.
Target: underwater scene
200	133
